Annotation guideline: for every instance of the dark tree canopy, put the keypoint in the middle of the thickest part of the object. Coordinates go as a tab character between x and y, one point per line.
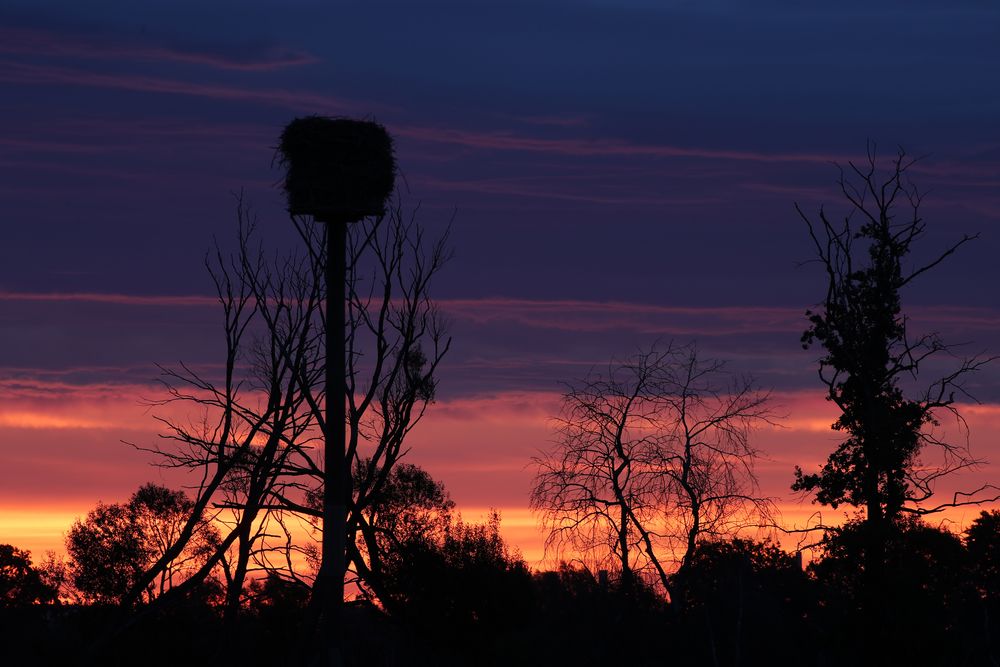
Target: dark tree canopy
20	583
106	553
732	593
466	580
929	607
114	545
869	354
870	366
982	540
411	506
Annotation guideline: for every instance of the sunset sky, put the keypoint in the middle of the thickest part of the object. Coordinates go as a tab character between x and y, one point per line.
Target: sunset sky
617	173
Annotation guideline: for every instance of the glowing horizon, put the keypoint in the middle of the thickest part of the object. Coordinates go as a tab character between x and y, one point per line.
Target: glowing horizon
480	447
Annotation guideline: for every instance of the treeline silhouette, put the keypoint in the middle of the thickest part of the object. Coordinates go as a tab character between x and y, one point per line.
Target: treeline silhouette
462	597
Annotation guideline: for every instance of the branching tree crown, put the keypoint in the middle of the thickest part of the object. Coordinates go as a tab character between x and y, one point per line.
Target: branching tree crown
115	544
652	457
254	447
870	361
869	353
20	583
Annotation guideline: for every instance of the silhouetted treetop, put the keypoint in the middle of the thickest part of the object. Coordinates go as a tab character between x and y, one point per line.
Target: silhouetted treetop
869	351
20	583
114	545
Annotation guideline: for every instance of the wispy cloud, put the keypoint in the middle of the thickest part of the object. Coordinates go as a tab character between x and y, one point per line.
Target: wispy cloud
555	120
21	419
33	42
111	298
609	315
580	147
535	189
30	74
67	134
576	315
39	74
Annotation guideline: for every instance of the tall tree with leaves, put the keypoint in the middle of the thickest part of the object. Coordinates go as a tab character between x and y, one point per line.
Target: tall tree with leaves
871	359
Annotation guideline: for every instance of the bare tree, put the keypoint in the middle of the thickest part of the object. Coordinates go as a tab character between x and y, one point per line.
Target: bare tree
651	457
253	442
243	420
395	339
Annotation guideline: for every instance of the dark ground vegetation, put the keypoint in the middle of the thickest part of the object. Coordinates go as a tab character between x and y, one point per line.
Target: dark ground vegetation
467	600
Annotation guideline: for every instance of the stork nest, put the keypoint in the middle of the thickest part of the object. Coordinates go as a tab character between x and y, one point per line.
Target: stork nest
338	169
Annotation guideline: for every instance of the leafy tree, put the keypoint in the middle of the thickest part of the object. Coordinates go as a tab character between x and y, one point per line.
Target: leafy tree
275	595
20	583
736	595
112	548
622	626
871	361
982	539
926	578
411	507
466	580
106	553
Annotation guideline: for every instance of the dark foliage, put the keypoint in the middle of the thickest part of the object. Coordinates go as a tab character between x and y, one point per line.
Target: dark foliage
20	583
468	601
869	352
113	546
929	599
732	593
982	540
107	554
872	367
467	582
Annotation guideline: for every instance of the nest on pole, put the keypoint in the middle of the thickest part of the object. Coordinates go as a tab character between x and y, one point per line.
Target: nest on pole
338	169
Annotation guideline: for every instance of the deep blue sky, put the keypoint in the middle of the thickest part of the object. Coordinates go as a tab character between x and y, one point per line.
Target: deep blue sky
641	152
663	142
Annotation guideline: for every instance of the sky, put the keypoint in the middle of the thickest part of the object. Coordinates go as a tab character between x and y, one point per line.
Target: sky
614	173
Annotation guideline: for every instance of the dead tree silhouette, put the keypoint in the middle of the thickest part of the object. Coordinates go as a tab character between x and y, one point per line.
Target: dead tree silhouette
651	458
254	448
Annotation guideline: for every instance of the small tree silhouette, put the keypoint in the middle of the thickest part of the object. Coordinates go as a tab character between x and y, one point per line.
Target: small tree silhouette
652	457
115	544
20	583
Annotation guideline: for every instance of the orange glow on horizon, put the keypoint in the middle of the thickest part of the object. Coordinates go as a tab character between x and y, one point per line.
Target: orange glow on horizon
63	455
37	530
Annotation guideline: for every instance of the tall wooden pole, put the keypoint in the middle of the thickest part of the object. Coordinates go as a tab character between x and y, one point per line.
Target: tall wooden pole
336	474
339	171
